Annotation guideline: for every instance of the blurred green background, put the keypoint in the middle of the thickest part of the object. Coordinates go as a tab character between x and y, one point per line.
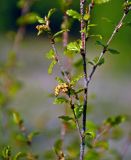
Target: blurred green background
111	84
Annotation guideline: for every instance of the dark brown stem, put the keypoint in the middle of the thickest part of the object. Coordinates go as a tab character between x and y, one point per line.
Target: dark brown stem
83	54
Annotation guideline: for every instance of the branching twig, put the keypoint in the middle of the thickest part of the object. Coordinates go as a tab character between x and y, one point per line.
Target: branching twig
117	28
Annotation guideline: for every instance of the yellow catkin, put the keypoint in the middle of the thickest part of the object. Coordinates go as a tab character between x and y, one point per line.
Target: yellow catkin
63	88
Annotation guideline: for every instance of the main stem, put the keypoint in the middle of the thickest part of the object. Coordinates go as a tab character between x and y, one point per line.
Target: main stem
83	54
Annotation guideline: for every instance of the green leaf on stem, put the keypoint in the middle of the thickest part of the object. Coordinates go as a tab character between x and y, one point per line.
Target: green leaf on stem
101	1
91	134
100	43
39	32
6	153
51	12
17	118
60	100
115	120
19	155
97	61
51	66
75	79
40	20
74	14
50	54
32	135
78	110
86	17
58	146
97	36
113	51
60	32
101	61
74	46
59	80
65	118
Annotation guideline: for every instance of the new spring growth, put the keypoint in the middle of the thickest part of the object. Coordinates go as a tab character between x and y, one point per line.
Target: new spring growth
61	88
44	26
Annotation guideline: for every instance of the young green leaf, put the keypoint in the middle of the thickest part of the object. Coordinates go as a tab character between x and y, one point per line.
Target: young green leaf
50	54
6	153
58	146
60	32
74	46
101	61
66	118
113	51
100	43
78	110
75	79
17	118
91	134
101	1
51	66
60	100
32	135
74	14
19	155
59	80
115	120
97	36
40	20
86	17
39	32
51	12
97	61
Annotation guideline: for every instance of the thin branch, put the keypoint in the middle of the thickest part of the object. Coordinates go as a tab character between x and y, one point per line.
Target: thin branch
105	49
58	60
77	122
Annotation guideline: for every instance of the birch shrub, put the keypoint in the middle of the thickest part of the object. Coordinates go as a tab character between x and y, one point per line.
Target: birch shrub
89	140
93	138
